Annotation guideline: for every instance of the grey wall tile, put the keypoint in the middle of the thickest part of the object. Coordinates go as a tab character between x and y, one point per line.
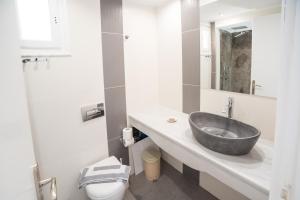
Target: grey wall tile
114	75
190	14
115	148
213	46
111	16
191	174
191	57
113	60
116	120
213	56
191	98
213	80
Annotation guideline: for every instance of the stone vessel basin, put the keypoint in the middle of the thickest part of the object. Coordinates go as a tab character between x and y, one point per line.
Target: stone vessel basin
223	135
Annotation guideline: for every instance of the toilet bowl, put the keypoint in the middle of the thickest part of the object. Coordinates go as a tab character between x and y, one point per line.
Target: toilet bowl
107	191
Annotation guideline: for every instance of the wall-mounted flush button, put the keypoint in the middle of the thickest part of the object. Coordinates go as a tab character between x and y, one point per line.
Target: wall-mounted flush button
92	111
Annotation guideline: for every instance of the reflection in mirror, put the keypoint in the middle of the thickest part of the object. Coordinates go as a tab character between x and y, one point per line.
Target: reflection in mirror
235	58
240	46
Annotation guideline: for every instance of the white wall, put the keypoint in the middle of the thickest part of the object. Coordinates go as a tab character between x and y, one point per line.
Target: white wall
57	90
266	54
141	70
16	150
153	65
153	55
170	55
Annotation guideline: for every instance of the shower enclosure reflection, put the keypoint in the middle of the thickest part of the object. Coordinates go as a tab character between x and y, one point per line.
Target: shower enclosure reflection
235	60
244	48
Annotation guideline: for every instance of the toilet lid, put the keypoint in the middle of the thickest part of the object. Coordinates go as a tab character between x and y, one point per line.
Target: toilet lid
105	190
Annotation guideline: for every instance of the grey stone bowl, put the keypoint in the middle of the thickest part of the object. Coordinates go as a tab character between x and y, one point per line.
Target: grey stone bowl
223	135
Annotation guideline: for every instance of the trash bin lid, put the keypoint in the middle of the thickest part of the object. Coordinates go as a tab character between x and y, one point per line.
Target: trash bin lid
151	155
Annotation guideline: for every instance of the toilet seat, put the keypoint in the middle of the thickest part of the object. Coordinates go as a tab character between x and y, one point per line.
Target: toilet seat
107	191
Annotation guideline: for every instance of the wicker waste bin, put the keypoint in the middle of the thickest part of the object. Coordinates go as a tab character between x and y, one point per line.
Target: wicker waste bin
151	158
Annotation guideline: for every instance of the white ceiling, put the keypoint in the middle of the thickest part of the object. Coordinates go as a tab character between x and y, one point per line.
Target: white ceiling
250	4
212	10
225	8
218	10
152	3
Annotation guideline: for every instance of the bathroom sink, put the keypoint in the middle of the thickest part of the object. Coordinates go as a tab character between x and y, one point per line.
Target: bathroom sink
222	134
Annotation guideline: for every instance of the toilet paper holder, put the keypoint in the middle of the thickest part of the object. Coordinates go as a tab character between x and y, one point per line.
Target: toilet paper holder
123	142
126	137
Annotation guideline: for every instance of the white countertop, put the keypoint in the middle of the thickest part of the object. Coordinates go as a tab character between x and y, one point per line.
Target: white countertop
249	174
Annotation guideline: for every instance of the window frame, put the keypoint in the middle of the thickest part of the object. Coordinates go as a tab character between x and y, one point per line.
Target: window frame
58	44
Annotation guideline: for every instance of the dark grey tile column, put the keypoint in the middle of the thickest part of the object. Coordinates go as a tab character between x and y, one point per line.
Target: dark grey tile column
114	75
213	55
190	21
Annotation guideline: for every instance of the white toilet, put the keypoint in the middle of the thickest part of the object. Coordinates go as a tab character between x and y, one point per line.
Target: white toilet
107	191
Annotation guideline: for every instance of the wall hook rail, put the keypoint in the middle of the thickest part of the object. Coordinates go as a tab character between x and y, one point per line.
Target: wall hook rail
28	60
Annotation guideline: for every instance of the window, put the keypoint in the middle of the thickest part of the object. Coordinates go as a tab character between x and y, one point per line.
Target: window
205	39
41	24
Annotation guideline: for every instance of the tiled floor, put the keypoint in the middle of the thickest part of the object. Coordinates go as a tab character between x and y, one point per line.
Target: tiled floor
172	185
129	196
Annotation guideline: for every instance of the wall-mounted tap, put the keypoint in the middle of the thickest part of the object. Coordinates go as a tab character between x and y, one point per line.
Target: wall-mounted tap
229	106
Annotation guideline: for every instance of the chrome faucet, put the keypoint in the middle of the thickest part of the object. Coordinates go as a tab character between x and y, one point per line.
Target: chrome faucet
229	106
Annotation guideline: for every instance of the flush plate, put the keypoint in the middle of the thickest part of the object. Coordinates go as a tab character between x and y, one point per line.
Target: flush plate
93	111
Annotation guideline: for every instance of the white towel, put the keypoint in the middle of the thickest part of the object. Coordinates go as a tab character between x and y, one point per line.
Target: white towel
104	172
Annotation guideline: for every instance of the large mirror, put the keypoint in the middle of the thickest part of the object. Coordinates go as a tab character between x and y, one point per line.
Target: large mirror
240	46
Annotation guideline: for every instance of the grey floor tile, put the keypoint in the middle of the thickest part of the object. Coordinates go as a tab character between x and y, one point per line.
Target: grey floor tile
129	196
172	185
191	174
